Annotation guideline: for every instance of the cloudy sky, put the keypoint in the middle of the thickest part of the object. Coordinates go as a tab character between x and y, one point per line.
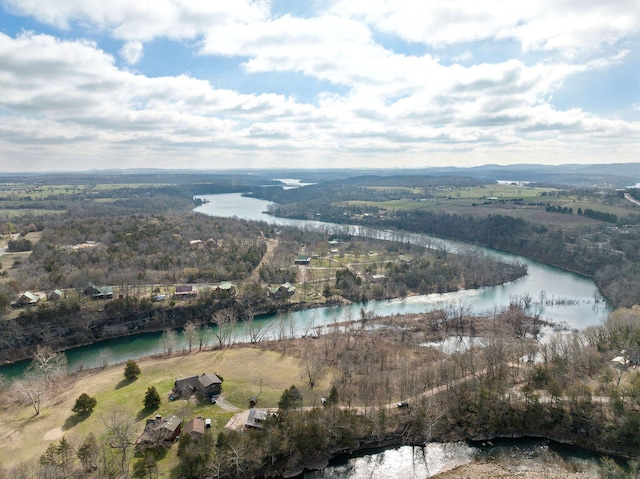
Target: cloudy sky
329	83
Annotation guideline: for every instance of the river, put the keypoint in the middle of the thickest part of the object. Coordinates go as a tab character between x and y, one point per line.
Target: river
568	298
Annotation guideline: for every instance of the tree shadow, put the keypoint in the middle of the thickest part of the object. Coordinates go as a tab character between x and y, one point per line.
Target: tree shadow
74	420
144	412
125	382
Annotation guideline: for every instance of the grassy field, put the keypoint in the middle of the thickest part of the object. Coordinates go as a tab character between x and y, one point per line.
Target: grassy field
246	372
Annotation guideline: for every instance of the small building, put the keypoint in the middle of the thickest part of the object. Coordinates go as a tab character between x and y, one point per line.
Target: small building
285	290
55	295
206	385
194	427
255	419
98	292
302	260
185	291
226	287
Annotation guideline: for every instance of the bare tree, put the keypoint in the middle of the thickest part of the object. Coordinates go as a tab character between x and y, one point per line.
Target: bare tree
49	364
189	332
32	390
312	366
255	331
168	340
203	333
120	427
226	322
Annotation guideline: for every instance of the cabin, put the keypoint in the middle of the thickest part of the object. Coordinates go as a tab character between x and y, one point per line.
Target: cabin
159	431
98	292
26	299
205	385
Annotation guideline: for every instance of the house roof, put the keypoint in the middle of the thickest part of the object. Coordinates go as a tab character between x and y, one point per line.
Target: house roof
186	385
209	379
30	296
255	418
195	425
170	423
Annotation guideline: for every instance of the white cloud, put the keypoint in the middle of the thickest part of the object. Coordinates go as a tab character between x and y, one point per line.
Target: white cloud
562	25
61	94
132	52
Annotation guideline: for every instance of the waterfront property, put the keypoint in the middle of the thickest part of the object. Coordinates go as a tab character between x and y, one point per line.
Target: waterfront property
205	385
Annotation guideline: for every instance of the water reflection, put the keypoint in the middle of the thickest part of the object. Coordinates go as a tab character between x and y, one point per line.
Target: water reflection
402	463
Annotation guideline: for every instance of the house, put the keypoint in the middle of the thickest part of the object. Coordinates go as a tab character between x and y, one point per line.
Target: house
185	291
283	291
206	385
226	287
160	431
255	418
302	260
56	294
194	427
26	299
98	292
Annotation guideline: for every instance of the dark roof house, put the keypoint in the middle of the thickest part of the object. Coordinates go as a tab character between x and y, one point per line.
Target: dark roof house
160	431
206	385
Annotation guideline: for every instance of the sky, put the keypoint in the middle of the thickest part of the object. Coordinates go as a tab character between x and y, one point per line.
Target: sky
213	84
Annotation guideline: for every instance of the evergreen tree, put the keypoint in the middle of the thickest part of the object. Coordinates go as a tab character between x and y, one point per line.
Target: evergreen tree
131	370
152	398
84	405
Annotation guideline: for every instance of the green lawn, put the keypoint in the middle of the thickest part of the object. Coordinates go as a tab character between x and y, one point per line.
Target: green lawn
246	372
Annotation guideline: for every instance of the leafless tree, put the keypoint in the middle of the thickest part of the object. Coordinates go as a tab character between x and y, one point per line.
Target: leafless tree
31	389
49	364
190	332
204	334
255	331
168	340
226	322
120	427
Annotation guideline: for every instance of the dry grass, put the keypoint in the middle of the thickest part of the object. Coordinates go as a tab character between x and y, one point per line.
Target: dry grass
247	372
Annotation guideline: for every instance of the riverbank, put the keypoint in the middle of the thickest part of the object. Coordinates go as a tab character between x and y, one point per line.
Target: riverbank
506	471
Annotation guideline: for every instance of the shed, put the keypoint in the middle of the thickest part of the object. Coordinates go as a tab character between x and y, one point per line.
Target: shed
56	294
